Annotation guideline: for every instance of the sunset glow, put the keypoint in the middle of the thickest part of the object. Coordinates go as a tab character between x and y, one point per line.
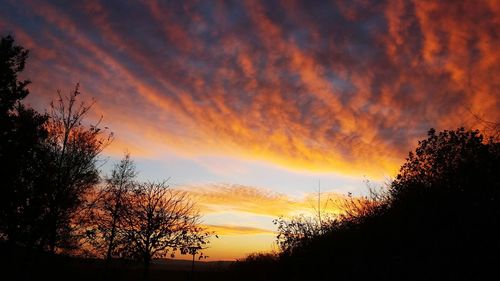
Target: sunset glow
250	105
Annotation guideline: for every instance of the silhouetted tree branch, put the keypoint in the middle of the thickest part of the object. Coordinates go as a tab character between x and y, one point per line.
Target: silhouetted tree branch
160	221
109	208
74	151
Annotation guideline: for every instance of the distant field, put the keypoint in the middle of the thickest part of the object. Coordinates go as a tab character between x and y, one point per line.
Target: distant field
179	264
45	267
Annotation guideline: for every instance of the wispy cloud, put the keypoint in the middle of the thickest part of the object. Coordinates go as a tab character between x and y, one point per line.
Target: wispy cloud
237	230
334	86
230	198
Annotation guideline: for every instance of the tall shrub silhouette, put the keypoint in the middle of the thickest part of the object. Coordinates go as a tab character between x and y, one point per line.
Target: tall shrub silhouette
12	62
22	151
439	221
296	232
446	197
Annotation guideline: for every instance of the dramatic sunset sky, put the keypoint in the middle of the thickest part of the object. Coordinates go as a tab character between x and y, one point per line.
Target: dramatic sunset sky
248	104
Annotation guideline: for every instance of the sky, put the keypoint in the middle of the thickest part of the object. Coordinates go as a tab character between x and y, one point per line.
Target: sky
251	105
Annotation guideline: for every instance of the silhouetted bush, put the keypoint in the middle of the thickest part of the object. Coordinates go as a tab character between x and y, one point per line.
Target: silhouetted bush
256	266
439	221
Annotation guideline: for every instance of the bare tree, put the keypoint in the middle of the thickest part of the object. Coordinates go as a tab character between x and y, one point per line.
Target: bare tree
161	221
490	129
72	167
109	208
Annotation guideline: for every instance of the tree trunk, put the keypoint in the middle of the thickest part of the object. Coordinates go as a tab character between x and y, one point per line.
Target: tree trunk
110	248
108	261
52	239
147	261
111	240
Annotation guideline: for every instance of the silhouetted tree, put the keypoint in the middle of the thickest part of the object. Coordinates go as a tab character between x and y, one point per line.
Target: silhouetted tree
22	134
447	161
161	221
447	197
74	150
12	63
110	206
49	161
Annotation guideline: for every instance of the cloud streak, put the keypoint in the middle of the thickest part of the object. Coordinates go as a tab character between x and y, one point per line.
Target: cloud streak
237	230
334	87
231	198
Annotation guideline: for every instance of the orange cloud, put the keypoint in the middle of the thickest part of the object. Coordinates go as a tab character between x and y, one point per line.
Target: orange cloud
237	241
229	198
335	87
237	230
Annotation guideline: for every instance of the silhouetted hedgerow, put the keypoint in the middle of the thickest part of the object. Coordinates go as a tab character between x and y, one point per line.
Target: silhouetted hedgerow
439	221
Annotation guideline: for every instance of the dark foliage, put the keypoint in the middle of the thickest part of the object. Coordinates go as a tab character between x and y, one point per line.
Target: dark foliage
49	198
49	161
257	266
72	168
12	62
439	221
22	152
